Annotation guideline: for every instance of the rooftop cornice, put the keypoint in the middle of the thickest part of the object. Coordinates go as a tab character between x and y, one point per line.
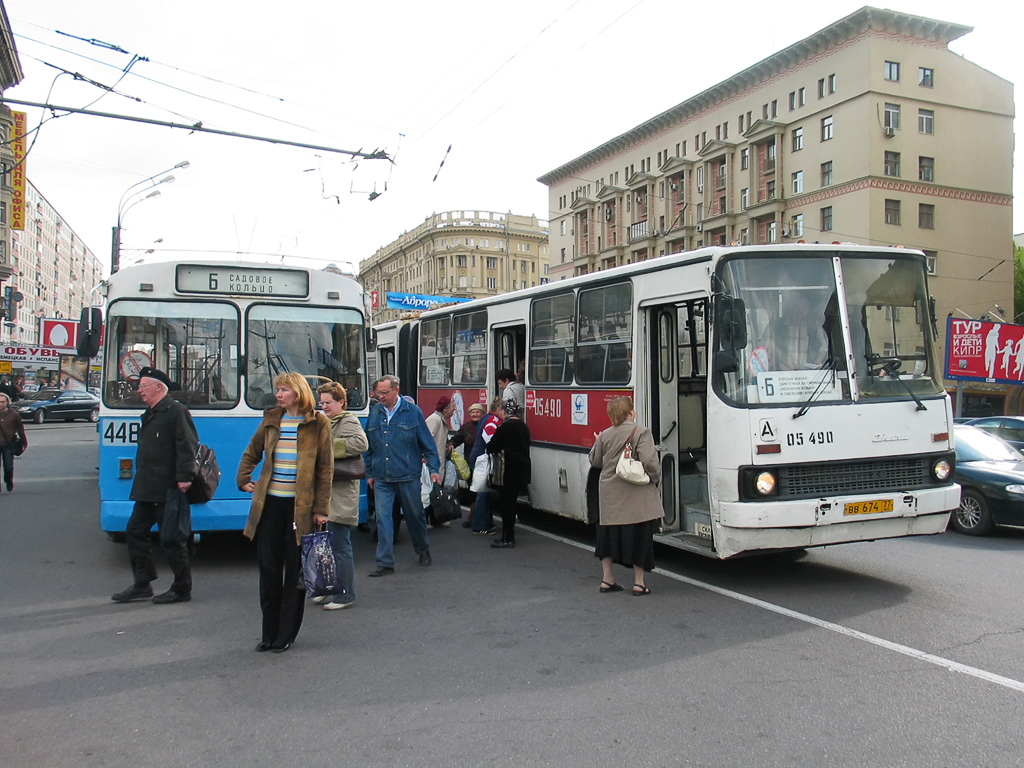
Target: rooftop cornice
858	23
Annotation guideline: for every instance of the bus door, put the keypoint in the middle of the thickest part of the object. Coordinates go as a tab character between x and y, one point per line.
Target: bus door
509	351
679	416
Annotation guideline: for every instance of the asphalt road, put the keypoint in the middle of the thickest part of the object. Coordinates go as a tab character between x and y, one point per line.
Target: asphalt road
899	653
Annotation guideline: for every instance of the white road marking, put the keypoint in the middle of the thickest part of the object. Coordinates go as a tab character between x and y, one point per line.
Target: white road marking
914	653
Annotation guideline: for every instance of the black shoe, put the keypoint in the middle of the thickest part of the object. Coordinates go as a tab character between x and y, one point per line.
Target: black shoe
381	570
468	524
503	544
280	648
170	596
262	646
134	592
426	559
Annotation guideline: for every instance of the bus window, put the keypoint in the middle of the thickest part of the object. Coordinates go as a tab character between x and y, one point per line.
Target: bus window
551	340
887	304
605	347
195	343
435	355
469	364
322	344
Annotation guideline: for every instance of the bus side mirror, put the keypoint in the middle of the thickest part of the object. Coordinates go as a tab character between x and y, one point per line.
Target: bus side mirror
731	319
90	327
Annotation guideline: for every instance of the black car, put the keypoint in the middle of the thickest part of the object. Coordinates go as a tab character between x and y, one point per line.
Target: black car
57	404
991	475
1009	428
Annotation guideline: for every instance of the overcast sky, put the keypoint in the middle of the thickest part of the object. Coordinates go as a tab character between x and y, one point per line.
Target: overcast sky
514	89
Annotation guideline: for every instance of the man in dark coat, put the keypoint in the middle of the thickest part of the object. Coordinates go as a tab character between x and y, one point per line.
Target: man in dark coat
166	458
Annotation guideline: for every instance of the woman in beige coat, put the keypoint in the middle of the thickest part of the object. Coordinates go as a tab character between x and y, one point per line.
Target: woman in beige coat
349	440
625	533
291	495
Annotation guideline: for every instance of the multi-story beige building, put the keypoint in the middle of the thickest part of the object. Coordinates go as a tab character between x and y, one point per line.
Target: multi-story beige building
53	270
870	131
458	254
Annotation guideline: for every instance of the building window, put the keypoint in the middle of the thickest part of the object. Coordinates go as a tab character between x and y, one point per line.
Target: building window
744	237
792	100
826	128
926	216
826	174
798	182
563	230
926	121
926	168
892	163
821	88
769	190
492	263
744	198
892	71
892	116
744	158
826	218
832	83
798	139
798	226
926	77
460	260
773	232
931	259
563	256
892	211
801	98
492	283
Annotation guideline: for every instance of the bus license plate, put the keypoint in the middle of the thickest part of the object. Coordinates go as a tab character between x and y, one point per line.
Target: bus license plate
868	507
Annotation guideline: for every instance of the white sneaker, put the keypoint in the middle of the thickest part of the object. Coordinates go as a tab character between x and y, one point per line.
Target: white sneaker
338	606
322	599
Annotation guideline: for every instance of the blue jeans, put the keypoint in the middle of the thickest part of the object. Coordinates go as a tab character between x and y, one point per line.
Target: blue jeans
343	561
483	519
408	493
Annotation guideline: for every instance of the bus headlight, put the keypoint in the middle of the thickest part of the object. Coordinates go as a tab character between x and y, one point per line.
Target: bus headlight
765	483
942	470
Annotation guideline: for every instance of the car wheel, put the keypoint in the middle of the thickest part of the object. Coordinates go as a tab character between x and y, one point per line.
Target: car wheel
39	417
972	516
94	415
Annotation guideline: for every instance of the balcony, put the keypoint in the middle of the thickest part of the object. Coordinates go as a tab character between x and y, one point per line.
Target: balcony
638	231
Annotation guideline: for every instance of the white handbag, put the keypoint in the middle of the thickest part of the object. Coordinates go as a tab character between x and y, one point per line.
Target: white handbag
628	468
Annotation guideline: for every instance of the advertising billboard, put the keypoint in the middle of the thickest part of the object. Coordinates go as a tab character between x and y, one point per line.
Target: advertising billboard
981	350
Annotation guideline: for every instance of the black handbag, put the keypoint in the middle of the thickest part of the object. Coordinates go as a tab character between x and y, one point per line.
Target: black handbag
496	470
176	525
207	476
350	468
444	504
17	446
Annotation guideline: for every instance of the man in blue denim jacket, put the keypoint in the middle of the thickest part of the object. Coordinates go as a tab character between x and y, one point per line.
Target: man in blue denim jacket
399	444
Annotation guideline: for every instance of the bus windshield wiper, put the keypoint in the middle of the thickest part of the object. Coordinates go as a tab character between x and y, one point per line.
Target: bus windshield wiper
888	367
830	366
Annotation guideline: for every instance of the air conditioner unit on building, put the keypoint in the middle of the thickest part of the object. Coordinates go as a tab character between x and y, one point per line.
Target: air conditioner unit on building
785	233
700	187
655	233
889	131
700	227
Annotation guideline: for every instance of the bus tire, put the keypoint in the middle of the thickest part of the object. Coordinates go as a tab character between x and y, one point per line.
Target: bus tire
972	517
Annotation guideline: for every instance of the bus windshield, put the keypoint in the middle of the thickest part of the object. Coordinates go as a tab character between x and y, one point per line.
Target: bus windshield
320	343
195	343
793	349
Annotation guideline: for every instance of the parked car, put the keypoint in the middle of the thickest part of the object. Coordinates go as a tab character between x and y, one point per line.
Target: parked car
991	476
56	404
1009	428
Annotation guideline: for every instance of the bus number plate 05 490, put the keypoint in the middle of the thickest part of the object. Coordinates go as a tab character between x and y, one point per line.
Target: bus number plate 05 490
868	507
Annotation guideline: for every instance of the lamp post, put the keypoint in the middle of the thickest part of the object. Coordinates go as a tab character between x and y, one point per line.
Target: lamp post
130	199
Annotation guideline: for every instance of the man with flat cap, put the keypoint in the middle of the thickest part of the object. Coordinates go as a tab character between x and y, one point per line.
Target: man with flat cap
166	458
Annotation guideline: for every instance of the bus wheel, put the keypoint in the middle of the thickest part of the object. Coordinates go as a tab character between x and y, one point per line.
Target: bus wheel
972	516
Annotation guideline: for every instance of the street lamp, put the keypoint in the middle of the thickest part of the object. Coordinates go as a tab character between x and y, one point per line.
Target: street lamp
131	198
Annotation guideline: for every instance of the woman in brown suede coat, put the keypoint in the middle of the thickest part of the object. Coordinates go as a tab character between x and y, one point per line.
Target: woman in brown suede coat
291	495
